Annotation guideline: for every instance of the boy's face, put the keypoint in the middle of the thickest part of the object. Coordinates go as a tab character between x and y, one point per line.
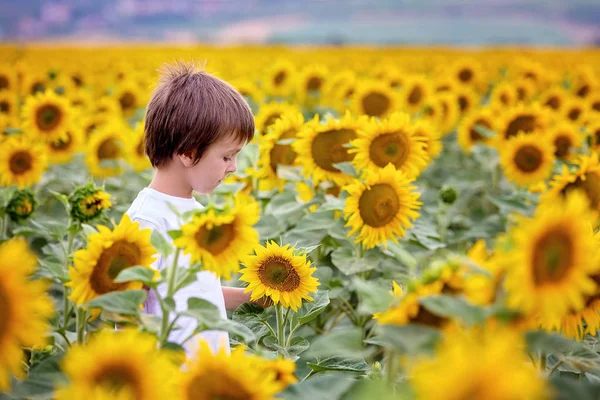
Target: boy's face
218	161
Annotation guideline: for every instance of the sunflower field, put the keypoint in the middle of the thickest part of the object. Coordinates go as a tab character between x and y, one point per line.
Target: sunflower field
424	221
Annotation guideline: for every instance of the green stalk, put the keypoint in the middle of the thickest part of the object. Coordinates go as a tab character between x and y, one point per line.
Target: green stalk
81	320
4	226
66	313
280	326
171	273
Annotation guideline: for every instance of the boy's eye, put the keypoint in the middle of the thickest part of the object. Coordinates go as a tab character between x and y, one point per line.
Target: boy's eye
226	158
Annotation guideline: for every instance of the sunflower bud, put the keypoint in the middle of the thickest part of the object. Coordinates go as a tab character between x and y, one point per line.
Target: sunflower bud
87	202
448	195
21	205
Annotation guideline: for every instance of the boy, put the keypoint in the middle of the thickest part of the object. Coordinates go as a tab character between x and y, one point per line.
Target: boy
195	126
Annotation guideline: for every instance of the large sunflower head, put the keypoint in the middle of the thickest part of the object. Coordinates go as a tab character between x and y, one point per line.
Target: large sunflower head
390	141
106	150
548	266
222	376
47	116
522	118
527	159
281	274
415	92
276	148
470	128
88	202
374	99
108	253
586	177
220	239
310	82
269	113
279	78
22	162
381	208
321	145
575	110
566	139
124	364
24	309
554	98
130	97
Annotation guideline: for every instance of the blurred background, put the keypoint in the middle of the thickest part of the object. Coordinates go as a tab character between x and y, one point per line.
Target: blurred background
433	22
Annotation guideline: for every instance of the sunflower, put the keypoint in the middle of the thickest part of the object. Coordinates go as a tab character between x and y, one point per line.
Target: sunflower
503	95
442	109
390	141
222	376
321	145
22	163
574	109
105	150
480	363
272	153
431	136
21	205
525	88
547	270
527	159
481	288
107	108
467	72
137	151
593	132
81	100
594	104
415	92
277	272
33	82
333	86
468	133
24	309
130	97
566	138
268	113
381	208
586	177
220	239
284	371
554	98
62	150
8	105
532	71
108	253
374	99
444	83
8	78
47	116
124	364
310	82
522	118
279	78
467	99
87	203
249	89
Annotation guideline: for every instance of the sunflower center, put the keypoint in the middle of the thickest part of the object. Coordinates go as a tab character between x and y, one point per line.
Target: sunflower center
504	99
528	158
553	102
574	114
91	206
415	96
37	87
278	273
590	184
283	153
117	378
475	136
279	78
328	148
314	83
5	107
4	82
390	148
5	312
112	261
271	120
463	103
379	205
20	162
216	239
525	123
216	385
552	257
376	104
583	91
48	117
596	106
127	100
562	144
109	150
465	75
63	143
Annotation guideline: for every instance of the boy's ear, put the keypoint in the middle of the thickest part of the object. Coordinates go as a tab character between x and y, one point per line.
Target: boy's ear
187	159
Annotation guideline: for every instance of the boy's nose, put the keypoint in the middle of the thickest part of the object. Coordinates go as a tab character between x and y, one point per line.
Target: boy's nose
232	167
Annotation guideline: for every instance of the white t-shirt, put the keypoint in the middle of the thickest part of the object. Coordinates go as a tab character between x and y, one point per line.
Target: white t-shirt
151	210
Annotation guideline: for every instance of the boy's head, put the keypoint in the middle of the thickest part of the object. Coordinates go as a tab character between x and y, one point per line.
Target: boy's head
198	122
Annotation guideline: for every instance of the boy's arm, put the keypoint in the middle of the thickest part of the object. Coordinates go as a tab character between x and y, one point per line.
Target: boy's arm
234	297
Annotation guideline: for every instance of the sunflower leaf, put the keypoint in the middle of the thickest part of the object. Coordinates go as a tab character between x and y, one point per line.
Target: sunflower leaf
348	263
454	307
161	244
88	229
339	364
42	380
331	385
413	339
236	328
205	312
127	302
310	311
347	168
138	274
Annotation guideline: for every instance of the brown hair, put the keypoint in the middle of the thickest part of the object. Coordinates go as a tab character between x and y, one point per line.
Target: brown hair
190	110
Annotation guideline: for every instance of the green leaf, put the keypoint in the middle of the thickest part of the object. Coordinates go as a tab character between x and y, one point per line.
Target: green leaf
236	328
569	388
57	269
175	234
508	204
319	220
413	339
297	346
310	311
347	168
484	131
373	297
205	312
289	173
400	254
161	244
285	205
42	380
345	342
348	263
328	386
88	229
575	356
454	307
251	316
64	199
126	302
139	274
339	364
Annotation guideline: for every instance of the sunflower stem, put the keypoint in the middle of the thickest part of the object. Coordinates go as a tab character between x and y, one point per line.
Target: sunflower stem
265	323
66	313
555	368
81	320
280	326
389	367
172	273
4	226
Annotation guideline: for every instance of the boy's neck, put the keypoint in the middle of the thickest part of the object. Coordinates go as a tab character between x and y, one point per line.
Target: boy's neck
168	181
